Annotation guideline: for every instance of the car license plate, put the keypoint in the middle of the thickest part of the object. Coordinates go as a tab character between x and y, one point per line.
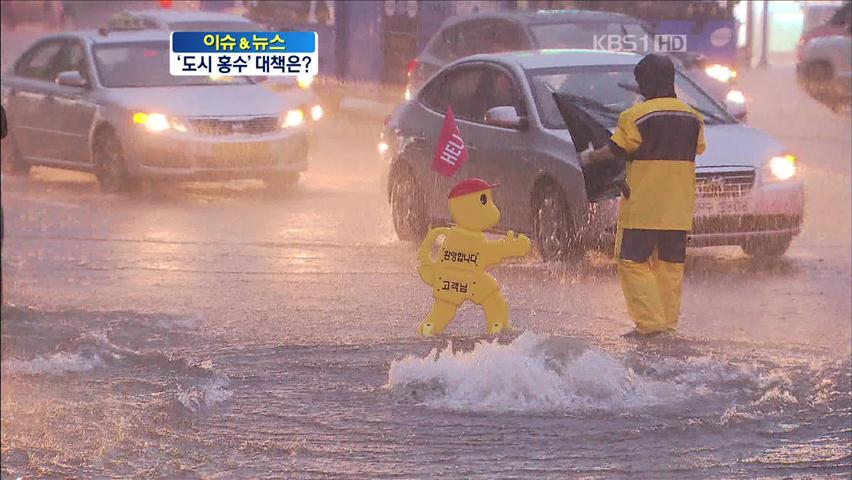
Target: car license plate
710	207
240	151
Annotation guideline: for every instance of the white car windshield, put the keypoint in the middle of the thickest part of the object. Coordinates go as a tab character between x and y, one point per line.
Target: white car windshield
146	64
605	91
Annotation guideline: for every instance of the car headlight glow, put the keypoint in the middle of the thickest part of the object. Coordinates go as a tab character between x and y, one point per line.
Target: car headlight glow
407	94
156	122
783	167
383	147
721	72
305	81
735	96
293	118
316	112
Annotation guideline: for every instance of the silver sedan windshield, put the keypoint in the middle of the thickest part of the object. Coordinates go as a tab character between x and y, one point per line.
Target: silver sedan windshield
607	91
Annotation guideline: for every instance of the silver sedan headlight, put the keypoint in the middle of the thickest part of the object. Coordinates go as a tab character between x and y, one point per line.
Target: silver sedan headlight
293	118
782	167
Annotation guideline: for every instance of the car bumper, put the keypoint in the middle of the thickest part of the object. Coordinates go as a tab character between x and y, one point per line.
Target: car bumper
194	157
773	211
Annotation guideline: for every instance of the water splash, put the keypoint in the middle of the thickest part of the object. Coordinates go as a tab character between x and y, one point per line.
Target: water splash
536	373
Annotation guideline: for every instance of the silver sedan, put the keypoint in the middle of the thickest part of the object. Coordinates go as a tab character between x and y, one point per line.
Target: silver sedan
507	105
105	103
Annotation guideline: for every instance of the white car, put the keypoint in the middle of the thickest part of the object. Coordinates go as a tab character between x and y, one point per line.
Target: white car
195	21
749	191
824	67
104	102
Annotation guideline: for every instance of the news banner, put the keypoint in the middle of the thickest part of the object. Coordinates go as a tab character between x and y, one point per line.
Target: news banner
244	53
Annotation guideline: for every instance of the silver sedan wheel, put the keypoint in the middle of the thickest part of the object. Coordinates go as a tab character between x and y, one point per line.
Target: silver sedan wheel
408	209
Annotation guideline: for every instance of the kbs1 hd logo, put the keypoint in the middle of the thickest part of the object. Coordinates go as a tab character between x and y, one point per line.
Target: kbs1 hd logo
640	43
244	53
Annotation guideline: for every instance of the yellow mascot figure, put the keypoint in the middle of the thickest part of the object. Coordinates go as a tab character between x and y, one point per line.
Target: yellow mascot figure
459	273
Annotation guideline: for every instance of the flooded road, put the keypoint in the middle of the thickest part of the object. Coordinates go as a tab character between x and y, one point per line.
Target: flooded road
224	331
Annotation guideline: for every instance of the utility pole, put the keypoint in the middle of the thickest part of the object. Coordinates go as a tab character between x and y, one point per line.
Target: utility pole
749	41
764	41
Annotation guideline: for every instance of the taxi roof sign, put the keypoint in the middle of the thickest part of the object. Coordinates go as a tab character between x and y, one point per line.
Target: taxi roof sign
128	21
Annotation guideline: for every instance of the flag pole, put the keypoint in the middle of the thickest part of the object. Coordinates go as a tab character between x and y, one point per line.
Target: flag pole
434	193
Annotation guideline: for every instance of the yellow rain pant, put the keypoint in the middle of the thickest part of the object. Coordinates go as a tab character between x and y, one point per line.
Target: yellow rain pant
652	289
653	292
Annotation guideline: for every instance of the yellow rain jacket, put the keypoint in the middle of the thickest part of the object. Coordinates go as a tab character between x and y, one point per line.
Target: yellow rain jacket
660	138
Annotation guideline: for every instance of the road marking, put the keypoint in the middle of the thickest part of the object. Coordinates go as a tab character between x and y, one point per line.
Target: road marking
51	203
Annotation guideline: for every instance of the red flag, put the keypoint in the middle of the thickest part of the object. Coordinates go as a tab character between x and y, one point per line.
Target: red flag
450	152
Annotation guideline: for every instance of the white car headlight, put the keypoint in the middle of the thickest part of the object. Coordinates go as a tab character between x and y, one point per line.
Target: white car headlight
735	96
316	112
157	122
783	167
305	81
721	72
293	118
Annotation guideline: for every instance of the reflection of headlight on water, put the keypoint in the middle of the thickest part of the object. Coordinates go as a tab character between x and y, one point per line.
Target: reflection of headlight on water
735	96
783	167
407	95
316	112
720	72
305	81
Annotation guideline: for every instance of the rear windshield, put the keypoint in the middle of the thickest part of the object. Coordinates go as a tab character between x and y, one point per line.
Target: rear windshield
145	64
583	35
214	27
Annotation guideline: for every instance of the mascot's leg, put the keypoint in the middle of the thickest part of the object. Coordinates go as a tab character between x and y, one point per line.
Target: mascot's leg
496	313
441	315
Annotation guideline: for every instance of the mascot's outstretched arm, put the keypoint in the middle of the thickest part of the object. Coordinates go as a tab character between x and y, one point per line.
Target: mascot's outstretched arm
424	254
513	245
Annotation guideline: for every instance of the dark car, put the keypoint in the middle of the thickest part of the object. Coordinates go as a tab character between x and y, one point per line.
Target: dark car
495	32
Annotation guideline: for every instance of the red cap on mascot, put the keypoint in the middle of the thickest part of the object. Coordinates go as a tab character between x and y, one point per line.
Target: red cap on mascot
471	185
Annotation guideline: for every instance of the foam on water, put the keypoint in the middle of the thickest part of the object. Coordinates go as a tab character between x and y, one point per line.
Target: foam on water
91	351
55	364
542	373
191	385
207	393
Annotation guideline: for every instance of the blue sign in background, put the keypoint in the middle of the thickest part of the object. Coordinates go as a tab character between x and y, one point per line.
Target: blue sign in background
698	37
294	42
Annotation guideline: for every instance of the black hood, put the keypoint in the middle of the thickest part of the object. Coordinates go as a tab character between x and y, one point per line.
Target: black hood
655	76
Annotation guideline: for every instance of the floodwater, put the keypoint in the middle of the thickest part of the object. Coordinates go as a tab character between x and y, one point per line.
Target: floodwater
221	331
118	398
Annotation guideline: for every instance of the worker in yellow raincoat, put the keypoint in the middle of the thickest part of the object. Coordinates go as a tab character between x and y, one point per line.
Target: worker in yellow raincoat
660	138
459	274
